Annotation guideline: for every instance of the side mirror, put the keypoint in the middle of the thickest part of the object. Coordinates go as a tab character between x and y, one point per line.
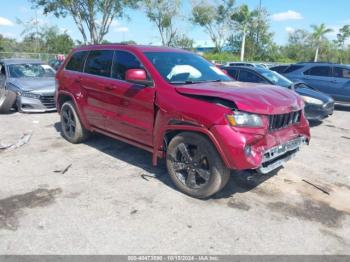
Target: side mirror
138	76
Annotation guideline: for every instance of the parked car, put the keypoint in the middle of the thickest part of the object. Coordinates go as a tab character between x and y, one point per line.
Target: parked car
317	104
177	105
279	68
331	79
247	64
32	82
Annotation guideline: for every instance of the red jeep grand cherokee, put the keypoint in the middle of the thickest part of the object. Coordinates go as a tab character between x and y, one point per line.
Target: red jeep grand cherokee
177	105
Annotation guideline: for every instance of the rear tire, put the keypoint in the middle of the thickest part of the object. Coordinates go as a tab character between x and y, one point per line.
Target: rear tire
195	166
71	126
7	100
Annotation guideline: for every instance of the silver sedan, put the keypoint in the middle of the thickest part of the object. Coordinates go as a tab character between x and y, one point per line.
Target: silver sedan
28	85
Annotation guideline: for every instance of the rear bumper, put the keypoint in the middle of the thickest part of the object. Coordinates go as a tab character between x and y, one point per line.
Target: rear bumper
247	149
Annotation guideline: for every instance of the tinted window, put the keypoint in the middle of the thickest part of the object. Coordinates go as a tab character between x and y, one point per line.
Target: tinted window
319	71
2	70
124	61
99	63
291	69
76	63
279	69
241	64
232	72
341	72
246	76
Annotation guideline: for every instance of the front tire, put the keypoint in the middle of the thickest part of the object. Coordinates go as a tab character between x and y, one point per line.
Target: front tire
71	126
7	100
195	166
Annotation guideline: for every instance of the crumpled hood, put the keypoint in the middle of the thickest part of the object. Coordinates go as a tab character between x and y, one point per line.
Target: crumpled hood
249	97
37	85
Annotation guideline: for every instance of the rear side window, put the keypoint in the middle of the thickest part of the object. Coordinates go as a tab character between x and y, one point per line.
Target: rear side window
99	62
341	72
124	61
292	68
76	63
246	76
279	69
232	72
319	71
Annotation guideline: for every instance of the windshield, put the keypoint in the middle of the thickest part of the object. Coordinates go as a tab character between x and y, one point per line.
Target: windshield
276	78
185	68
30	70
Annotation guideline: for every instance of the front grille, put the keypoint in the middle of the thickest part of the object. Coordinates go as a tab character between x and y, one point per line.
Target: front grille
48	101
284	120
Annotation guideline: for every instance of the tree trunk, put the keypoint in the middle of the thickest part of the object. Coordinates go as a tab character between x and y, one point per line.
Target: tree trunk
243	45
316	54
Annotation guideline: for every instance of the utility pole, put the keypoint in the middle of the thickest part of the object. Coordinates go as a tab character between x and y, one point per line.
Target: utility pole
258	29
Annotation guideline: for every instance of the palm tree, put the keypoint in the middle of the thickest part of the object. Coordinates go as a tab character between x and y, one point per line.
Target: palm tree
318	36
242	18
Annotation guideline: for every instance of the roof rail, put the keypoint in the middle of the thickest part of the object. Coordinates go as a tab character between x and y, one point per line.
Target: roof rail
312	62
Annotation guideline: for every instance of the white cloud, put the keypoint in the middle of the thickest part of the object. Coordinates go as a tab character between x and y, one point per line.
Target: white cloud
5	22
121	29
289	29
289	15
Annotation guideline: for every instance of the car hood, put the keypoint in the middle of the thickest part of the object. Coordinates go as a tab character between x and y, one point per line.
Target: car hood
36	85
248	97
304	91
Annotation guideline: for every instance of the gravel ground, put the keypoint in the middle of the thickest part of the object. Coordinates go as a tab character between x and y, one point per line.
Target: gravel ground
104	197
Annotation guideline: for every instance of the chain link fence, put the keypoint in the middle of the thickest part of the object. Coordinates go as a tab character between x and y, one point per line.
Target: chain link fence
45	57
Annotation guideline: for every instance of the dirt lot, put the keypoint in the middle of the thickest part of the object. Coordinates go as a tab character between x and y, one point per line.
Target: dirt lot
106	198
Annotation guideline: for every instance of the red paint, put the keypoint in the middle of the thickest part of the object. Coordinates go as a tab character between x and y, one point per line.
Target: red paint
143	115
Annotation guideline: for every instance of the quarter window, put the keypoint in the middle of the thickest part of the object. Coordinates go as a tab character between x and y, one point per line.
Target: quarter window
99	62
341	72
319	71
76	63
123	61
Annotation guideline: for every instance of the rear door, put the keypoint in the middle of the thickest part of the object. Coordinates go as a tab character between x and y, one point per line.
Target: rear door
341	84
133	115
96	83
320	78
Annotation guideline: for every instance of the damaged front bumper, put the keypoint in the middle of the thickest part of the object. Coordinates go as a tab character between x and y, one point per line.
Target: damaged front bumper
275	157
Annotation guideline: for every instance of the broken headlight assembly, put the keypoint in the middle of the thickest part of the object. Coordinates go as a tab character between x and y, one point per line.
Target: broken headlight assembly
242	119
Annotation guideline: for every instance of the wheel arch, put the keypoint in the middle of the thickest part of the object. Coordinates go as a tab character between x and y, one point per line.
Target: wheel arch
63	97
170	132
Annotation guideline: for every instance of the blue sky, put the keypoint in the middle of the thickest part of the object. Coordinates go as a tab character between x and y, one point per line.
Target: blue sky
286	15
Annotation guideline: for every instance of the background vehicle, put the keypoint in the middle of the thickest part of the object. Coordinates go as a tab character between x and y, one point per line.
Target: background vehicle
332	79
32	82
247	64
177	105
317	104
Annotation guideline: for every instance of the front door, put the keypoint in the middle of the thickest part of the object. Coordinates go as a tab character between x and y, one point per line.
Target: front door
133	111
320	78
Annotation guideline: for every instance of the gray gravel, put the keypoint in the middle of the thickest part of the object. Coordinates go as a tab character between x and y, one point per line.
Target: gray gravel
112	201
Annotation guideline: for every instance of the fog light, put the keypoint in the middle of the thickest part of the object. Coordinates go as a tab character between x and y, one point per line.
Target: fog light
248	150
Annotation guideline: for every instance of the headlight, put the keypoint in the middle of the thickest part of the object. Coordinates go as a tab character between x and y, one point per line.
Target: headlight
244	120
30	95
311	100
